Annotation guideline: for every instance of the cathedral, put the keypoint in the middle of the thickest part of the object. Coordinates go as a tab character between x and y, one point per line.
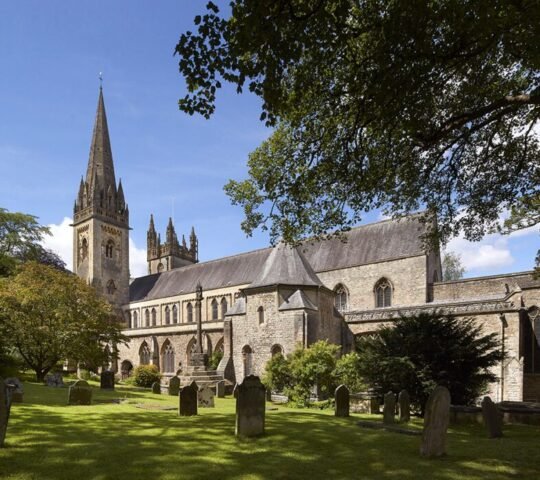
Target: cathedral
243	309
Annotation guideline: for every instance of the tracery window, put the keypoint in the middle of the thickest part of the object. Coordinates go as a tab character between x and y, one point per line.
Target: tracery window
260	312
167	315
383	293
214	309
224	307
189	313
109	249
168	357
175	314
144	354
341	300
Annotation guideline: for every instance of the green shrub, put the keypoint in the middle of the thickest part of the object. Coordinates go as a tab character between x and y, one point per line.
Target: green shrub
146	375
214	360
277	374
347	372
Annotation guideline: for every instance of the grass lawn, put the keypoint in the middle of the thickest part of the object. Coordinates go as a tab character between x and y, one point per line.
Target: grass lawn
48	440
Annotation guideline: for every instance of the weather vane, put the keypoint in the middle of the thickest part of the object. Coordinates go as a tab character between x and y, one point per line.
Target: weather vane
100	79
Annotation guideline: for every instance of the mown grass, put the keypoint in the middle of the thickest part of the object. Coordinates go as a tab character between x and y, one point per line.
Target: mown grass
48	440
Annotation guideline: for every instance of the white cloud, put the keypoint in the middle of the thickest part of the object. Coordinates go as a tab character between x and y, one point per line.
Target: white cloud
61	242
491	252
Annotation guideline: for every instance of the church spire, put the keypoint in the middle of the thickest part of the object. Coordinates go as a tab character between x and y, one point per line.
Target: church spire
100	162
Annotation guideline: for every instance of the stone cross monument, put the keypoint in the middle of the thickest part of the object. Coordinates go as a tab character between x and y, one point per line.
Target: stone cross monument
199	358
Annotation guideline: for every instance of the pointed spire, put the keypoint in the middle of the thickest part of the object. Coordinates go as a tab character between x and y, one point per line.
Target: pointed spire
184	244
121	199
100	162
151	228
171	234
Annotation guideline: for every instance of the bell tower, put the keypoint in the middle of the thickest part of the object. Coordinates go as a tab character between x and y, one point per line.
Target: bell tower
101	220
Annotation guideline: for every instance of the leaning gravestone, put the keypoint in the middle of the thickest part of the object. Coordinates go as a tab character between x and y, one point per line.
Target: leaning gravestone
80	393
436	419
342	399
156	388
492	418
17	391
220	389
188	400
107	380
404	406
205	397
250	407
174	386
54	380
389	408
5	405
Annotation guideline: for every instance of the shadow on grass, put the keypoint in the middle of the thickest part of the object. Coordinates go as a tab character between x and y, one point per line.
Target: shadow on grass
49	440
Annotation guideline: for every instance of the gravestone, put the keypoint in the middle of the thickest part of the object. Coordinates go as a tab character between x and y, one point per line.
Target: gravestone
5	405
80	393
205	397
374	406
174	386
235	390
107	380
389	408
492	418
342	399
250	407
404	406
436	419
17	391
156	388
220	389
188	400
268	395
54	380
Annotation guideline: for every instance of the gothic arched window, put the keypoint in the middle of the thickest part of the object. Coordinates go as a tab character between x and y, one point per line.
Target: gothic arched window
147	317
175	314
160	267
154	317
144	354
109	249
111	287
341	300
224	307
135	320
189	313
214	309
167	354
260	312
167	315
276	350
84	248
383	293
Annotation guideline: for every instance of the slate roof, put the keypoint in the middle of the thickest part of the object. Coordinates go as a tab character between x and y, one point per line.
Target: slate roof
286	266
386	240
239	308
298	300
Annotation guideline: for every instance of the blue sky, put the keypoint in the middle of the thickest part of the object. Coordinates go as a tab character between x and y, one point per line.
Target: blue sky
171	164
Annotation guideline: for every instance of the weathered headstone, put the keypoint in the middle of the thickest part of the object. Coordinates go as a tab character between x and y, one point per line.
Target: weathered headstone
205	397
17	391
5	405
174	386
342	399
250	407
268	395
374	406
107	380
188	400
80	393
436	419
492	418
220	389
54	380
235	390
389	409
404	406
156	388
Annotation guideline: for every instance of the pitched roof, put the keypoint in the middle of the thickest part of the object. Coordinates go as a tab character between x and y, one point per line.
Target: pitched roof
286	266
376	242
239	308
298	300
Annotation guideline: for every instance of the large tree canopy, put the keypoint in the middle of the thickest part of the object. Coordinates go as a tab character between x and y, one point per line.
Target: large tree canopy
398	105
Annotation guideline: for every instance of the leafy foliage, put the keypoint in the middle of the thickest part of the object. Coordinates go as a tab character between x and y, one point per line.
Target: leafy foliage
48	315
277	374
390	105
214	360
452	267
146	375
347	372
420	352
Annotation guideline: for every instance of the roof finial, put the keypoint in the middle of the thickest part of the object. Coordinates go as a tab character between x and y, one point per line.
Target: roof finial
100	80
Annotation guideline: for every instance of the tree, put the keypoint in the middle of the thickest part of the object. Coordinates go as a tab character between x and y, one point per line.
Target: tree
49	315
420	352
20	235
377	105
277	374
347	372
452	266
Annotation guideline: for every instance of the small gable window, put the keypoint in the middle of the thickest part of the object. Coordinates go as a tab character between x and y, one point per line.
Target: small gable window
383	293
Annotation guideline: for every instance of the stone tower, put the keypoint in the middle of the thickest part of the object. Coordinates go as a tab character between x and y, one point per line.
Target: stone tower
163	257
101	220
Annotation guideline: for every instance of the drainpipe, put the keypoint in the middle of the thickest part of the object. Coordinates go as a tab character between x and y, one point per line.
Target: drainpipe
504	324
